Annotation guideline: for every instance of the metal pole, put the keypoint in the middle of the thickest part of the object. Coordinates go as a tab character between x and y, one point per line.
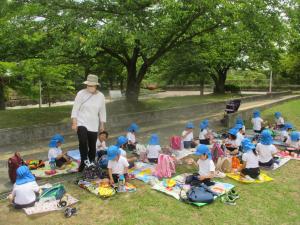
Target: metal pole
40	87
271	79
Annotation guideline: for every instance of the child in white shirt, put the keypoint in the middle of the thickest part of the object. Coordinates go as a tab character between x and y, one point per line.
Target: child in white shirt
239	135
204	135
279	121
25	190
206	167
287	128
250	168
240	121
101	144
232	147
266	150
117	164
294	140
55	153
153	149
188	136
257	122
131	136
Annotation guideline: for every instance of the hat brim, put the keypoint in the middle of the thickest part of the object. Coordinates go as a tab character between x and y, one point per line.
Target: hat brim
111	157
91	83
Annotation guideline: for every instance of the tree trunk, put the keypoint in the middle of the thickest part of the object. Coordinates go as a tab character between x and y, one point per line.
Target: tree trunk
219	79
121	84
202	87
111	84
2	96
133	89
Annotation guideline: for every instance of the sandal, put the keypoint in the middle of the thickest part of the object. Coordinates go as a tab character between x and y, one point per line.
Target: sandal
234	194
228	200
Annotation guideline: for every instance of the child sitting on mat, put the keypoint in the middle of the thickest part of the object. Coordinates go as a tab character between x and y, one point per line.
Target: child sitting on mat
257	122
206	167
294	140
266	150
239	134
131	136
231	143
240	121
122	144
188	136
55	153
204	135
25	190
117	164
101	142
287	128
279	121
250	168
153	149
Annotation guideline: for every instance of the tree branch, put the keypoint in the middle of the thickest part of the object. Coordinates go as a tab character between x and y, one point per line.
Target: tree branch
115	55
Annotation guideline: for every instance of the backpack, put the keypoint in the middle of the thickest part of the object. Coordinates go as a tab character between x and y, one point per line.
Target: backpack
199	194
175	143
35	164
165	166
13	164
193	180
103	162
92	171
217	152
55	192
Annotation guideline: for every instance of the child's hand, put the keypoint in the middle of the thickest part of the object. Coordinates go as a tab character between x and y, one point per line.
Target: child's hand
111	181
74	125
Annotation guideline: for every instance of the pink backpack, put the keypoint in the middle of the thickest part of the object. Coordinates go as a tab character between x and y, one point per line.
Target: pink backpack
175	143
217	152
165	166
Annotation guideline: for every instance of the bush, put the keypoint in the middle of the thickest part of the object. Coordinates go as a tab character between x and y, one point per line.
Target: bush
232	88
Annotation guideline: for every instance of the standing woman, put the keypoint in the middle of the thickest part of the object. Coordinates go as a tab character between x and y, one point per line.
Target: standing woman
88	118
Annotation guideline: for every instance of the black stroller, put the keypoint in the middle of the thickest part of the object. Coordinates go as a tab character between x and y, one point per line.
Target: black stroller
233	106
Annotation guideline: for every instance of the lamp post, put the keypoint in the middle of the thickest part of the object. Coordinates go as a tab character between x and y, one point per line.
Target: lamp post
271	81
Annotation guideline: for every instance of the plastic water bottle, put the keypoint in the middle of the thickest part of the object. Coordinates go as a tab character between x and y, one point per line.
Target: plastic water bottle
52	164
121	184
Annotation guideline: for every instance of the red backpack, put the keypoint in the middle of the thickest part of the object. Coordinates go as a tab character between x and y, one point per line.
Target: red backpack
175	143
217	152
13	164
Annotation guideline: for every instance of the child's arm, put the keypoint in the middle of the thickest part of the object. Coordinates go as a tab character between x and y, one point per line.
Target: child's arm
210	176
111	179
125	170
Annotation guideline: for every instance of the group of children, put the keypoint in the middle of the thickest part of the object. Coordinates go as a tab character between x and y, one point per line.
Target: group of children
236	144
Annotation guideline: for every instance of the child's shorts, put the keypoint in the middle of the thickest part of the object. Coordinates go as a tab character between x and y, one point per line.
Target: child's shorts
267	164
204	142
251	172
153	160
60	162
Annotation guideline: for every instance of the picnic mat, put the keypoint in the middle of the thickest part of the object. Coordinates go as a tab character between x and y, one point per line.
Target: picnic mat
49	206
237	177
143	172
93	186
287	156
40	172
175	192
74	154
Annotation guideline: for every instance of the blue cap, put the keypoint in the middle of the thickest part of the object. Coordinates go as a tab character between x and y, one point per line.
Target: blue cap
233	131
256	114
238	126
203	150
154	139
133	128
266	137
53	143
204	124
59	138
24	175
121	141
295	136
247	145
239	120
189	125
112	152
277	114
288	126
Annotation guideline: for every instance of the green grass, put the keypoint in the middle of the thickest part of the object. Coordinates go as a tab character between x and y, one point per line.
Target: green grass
28	117
276	202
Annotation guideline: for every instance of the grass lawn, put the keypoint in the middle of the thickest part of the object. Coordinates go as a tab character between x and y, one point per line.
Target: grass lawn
276	202
28	117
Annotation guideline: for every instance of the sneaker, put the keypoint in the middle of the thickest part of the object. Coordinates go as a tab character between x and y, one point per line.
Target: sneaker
248	178
228	200
234	194
219	174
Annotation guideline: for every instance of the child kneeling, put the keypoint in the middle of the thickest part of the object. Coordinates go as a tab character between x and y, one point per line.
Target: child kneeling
250	167
25	190
205	164
117	164
55	153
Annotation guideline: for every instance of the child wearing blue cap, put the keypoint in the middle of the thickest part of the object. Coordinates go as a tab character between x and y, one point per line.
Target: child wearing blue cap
294	140
55	153
204	135
279	121
266	150
250	167
153	149
117	164
239	134
206	167
284	135
131	136
188	136
240	121
257	122
25	190
232	146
